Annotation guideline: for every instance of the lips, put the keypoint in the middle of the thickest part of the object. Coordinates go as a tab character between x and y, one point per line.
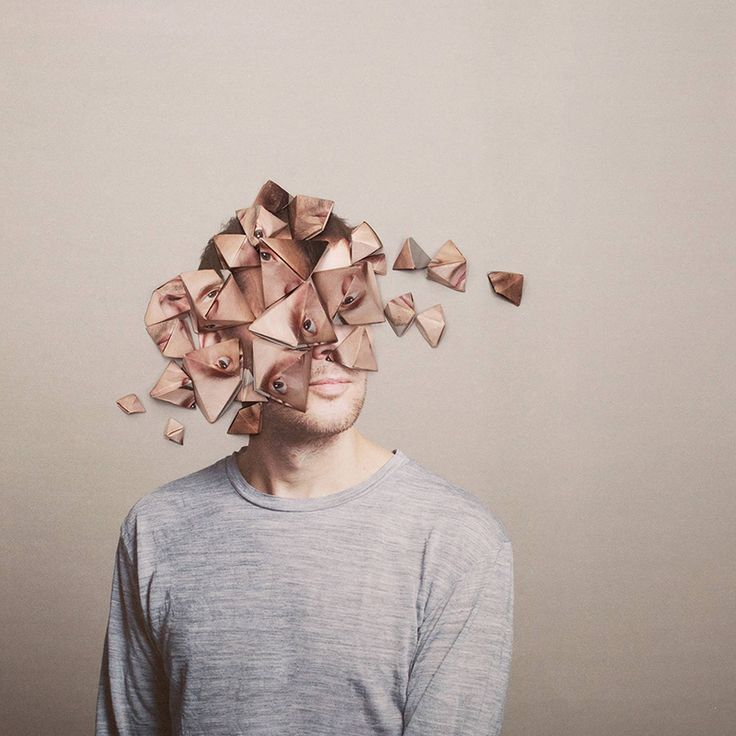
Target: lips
328	381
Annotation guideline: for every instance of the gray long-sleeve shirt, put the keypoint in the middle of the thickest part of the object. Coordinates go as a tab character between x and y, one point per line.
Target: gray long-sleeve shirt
385	608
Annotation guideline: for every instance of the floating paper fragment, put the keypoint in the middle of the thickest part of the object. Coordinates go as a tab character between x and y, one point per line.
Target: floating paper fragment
400	312
363	242
354	348
298	320
272	197
174	387
130	404
308	216
174	431
247	420
216	372
448	267
282	373
411	257
507	284
431	323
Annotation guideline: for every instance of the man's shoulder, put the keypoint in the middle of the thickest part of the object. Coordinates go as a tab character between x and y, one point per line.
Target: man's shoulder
453	516
171	504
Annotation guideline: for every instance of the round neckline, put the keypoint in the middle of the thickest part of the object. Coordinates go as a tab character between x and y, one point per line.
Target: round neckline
281	503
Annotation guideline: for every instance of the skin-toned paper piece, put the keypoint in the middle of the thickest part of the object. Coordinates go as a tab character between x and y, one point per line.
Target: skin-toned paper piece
448	267
172	337
431	323
216	372
282	373
350	293
336	255
236	251
301	256
174	387
167	301
411	257
250	283
131	404
297	320
257	223
174	431
354	348
247	420
363	242
272	197
400	313
308	216
507	284
217	303
378	262
247	393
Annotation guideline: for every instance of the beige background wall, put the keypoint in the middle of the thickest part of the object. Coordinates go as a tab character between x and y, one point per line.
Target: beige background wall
588	145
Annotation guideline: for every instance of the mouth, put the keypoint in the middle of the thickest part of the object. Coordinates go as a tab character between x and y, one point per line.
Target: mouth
329	381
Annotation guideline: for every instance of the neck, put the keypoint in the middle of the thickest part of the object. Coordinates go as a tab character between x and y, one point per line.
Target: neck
309	467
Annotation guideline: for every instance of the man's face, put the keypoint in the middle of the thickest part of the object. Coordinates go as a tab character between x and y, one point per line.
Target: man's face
334	401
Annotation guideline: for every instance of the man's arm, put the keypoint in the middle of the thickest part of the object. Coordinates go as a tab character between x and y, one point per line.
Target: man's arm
133	692
459	676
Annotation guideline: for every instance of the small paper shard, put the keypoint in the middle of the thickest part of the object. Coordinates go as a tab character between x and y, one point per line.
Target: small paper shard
174	431
431	323
216	372
308	216
400	313
247	420
174	387
282	373
298	320
354	348
507	284
411	257
448	267
130	404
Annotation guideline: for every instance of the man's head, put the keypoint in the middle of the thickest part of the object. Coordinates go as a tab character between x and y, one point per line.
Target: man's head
336	393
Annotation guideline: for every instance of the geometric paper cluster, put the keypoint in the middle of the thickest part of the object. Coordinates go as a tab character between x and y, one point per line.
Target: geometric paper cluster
245	332
447	266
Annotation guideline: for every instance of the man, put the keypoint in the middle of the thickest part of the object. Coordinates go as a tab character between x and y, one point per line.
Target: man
312	583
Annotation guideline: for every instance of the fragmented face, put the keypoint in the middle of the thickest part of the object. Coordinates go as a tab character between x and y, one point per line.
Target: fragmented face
285	321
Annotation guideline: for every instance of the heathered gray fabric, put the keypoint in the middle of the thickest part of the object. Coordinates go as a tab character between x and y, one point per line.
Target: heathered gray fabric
385	608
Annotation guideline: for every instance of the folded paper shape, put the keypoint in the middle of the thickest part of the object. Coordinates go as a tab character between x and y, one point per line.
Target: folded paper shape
297	320
172	337
257	222
216	372
350	293
400	312
354	348
363	242
217	302
431	323
247	393
250	283
282	373
448	267
308	216
167	301
174	386
131	404
411	257
236	251
336	255
507	284
247	420
174	431
378	262
272	197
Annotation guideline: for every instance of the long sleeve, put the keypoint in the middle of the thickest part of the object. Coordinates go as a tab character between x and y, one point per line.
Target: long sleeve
460	672
132	696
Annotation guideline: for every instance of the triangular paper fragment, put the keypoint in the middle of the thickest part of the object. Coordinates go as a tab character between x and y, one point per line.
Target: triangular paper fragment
411	257
448	267
431	323
308	216
174	387
172	337
355	349
174	431
130	404
229	307
282	373
167	301
216	372
257	222
363	242
400	312
247	420
272	197
236	251
507	284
